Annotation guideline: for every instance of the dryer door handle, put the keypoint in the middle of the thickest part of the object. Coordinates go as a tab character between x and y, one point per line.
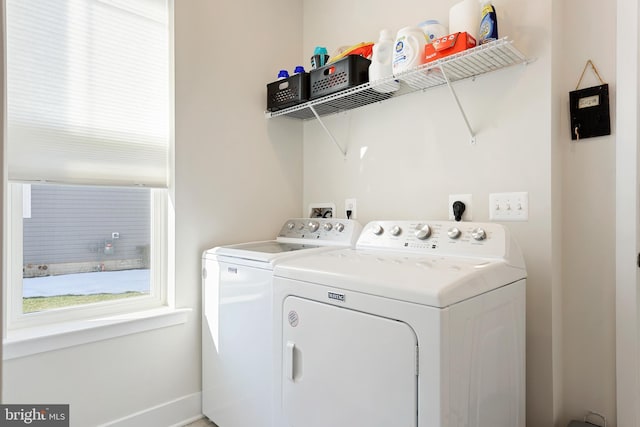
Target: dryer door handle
289	360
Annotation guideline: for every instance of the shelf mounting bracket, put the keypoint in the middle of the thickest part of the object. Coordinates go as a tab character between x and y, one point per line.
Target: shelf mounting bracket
315	113
472	135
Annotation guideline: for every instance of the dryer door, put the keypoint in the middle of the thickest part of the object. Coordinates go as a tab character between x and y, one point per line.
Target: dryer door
344	368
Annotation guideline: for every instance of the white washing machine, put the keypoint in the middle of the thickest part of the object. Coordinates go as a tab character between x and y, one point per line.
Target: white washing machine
237	340
422	324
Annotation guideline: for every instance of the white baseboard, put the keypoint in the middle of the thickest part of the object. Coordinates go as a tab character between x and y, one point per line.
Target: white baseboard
175	413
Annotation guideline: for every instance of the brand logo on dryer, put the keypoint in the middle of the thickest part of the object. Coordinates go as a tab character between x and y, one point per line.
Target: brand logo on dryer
336	296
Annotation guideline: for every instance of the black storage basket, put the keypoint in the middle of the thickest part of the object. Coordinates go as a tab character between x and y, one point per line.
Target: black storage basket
350	71
288	92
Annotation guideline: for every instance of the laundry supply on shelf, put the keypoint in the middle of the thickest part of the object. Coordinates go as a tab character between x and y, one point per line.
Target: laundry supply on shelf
283	74
433	29
448	45
381	64
320	57
464	18
409	48
488	24
363	49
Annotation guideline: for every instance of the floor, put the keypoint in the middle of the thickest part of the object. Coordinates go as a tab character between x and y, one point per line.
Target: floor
201	423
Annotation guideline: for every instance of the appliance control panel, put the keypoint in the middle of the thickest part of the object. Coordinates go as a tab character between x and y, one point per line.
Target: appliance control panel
437	237
340	231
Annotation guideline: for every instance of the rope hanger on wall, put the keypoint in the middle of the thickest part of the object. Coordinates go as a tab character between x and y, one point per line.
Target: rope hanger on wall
595	70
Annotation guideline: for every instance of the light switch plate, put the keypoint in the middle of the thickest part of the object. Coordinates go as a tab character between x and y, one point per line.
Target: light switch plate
509	206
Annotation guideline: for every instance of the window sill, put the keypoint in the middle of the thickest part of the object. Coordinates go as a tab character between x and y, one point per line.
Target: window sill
41	339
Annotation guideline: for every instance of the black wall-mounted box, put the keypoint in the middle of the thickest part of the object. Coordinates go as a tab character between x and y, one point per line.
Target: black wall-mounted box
589	110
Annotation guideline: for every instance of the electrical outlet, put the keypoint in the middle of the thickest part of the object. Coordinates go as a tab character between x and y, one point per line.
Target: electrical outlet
350	205
509	206
464	198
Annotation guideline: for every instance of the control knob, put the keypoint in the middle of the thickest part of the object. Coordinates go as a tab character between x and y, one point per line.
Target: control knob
396	230
313	226
378	230
291	225
340	227
453	232
479	233
327	226
422	231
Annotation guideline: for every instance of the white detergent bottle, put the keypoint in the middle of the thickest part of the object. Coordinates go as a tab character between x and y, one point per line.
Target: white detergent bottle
463	17
408	51
381	68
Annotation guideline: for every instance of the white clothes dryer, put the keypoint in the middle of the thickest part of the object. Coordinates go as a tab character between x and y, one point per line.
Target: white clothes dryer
237	340
422	324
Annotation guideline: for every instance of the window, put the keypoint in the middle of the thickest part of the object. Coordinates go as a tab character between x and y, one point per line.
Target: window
88	126
75	246
71	254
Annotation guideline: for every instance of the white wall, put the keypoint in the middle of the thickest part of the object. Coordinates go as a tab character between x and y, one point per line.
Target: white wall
417	152
237	176
557	68
588	207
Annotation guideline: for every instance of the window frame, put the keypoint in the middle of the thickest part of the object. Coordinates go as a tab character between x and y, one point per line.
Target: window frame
105	319
158	292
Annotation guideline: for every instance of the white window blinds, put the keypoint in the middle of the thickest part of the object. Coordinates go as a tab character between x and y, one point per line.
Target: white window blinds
88	91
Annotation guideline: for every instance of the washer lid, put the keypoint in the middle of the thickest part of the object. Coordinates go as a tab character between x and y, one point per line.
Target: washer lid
267	247
297	235
263	251
437	281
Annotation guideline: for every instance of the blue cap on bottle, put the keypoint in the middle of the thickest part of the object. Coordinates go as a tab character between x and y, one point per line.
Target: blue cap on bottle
299	69
283	74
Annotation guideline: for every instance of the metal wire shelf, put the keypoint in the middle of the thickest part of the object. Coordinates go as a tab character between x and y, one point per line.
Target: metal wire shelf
467	64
